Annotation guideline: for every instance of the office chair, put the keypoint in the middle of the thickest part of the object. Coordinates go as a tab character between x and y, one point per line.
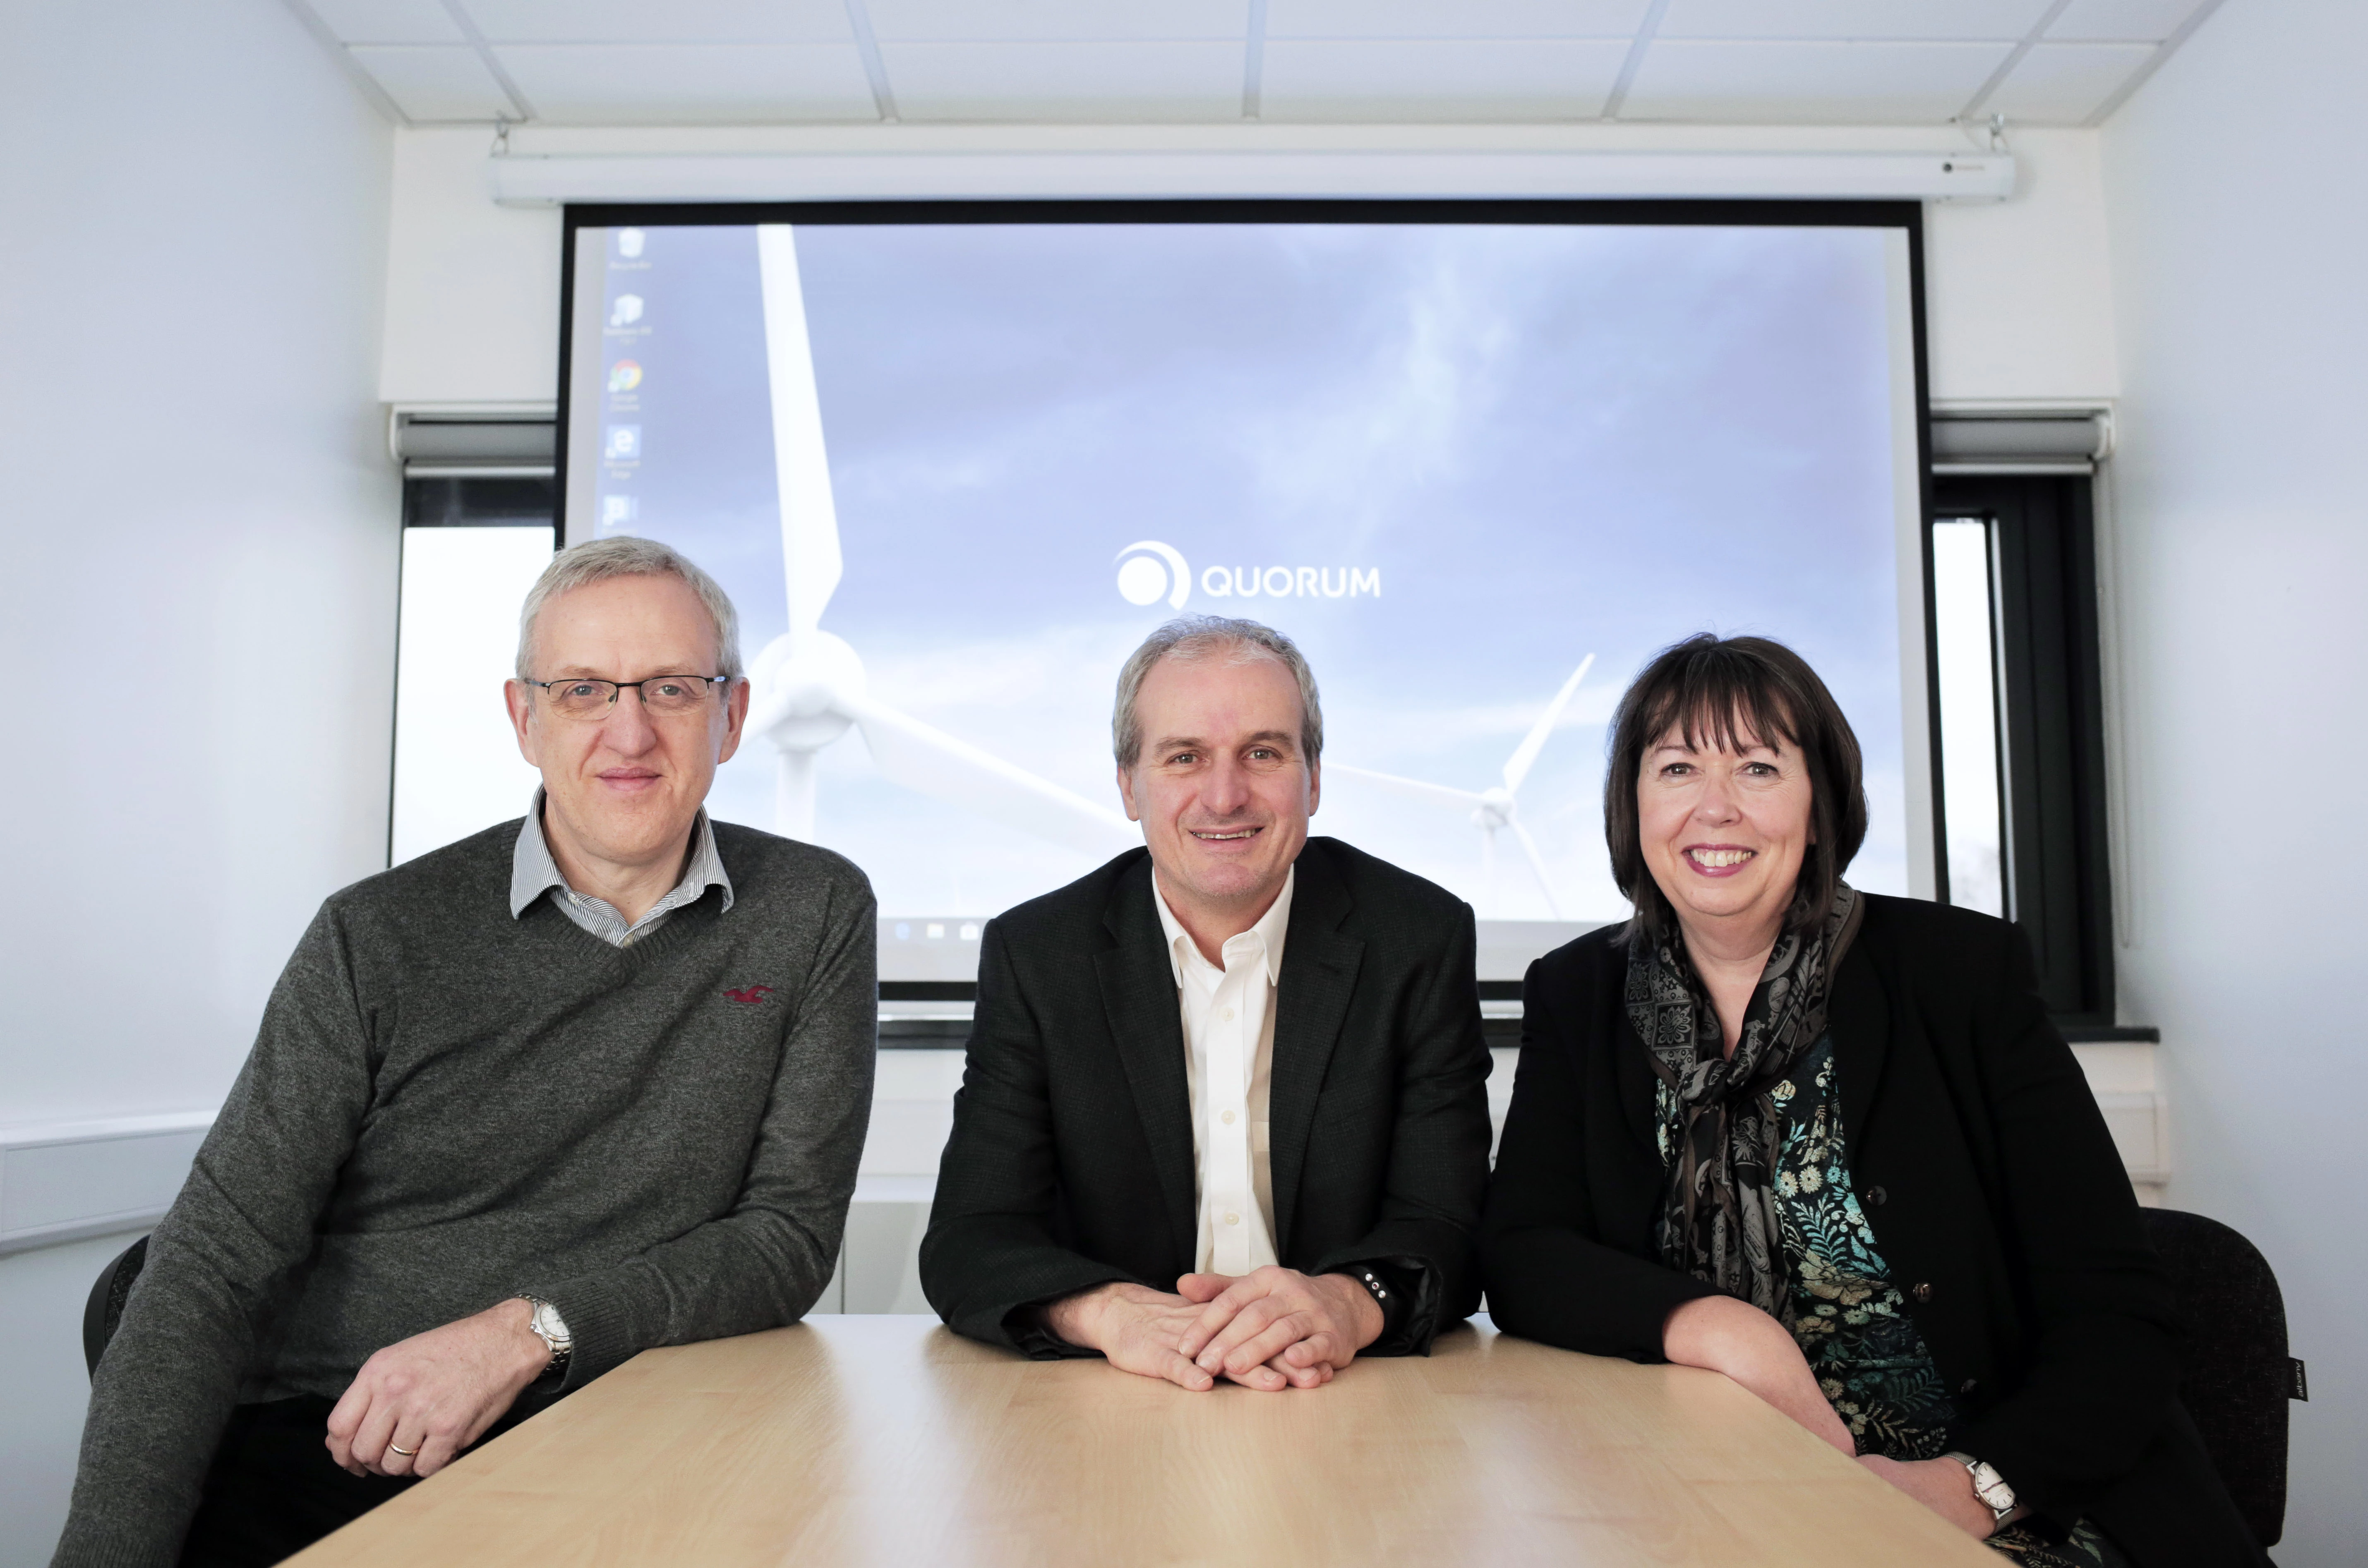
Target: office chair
106	1307
2235	1375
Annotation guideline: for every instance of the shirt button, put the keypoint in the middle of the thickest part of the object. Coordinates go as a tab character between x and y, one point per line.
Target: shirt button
1921	1291
1969	1385
1228	1119
1876	1197
1233	1219
1226	1016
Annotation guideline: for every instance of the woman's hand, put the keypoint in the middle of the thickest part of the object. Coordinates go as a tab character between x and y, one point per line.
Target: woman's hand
1735	1338
1942	1485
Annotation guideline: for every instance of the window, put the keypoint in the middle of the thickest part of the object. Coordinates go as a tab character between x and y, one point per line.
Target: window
472	548
2021	728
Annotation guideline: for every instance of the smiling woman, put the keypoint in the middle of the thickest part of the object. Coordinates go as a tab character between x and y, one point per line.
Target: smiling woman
1828	1143
1752	712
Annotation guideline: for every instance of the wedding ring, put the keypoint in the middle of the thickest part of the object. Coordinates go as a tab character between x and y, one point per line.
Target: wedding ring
406	1453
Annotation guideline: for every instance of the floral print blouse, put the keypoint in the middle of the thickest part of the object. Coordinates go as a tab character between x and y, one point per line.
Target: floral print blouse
1848	1318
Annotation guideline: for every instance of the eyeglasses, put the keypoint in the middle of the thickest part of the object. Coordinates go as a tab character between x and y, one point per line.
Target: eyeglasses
665	695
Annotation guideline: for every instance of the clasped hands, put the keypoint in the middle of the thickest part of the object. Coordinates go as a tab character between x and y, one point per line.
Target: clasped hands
435	1394
1271	1329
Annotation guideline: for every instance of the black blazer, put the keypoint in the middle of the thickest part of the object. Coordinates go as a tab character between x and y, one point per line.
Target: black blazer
1071	1160
1985	1170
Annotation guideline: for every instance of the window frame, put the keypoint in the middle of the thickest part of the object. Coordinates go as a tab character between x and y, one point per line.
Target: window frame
2053	793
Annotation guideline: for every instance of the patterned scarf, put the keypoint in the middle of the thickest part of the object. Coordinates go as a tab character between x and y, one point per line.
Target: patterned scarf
1719	1128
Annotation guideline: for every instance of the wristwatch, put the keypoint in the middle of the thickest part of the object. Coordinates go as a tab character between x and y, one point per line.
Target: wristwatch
552	1330
1988	1485
1387	1288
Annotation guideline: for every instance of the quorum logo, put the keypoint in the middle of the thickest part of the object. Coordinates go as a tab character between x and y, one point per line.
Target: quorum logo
1149	570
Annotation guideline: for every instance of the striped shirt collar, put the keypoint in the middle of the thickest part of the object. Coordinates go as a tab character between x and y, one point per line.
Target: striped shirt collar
534	872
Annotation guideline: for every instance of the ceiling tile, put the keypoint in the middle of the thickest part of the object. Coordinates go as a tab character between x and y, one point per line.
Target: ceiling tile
695	84
2062	83
1810	84
1961	20
2146	21
436	82
1139	81
1454	18
388	21
1406	79
676	21
1018	21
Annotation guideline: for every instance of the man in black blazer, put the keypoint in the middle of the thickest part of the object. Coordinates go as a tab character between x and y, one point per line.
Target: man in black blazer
1223	1113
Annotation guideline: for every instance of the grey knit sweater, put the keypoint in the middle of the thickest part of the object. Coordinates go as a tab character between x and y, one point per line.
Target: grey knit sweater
447	1106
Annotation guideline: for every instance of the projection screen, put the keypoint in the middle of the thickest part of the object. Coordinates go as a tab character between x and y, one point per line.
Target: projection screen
951	471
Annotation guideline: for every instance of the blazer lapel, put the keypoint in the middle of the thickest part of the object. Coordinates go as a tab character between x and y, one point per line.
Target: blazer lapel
1138	986
1858	1015
1319	977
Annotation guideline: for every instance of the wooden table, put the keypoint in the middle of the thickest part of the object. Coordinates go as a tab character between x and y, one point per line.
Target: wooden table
888	1440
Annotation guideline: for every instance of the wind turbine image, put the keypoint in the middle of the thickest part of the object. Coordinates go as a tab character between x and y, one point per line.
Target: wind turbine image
810	686
1493	808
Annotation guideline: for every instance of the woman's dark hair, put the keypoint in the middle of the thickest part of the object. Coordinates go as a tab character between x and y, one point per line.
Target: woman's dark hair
1718	690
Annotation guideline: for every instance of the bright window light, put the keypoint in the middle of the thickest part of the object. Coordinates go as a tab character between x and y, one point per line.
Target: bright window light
457	769
1963	625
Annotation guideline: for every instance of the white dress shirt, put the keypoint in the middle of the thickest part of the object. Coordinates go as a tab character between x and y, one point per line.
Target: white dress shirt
1228	1059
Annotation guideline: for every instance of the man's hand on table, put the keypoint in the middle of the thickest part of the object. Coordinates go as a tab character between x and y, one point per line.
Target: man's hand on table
1270	1329
436	1393
1136	1328
1275	1327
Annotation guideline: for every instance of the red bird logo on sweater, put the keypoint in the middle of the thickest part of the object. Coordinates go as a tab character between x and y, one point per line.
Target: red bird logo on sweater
750	994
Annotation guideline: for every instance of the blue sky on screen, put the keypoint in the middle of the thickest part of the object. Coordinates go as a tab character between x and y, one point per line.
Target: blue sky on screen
1541	442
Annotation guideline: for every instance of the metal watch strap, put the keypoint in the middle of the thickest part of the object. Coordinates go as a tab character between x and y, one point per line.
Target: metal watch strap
561	1343
1988	1485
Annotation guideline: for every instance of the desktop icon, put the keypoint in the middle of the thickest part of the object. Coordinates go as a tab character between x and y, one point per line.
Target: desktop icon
624	443
624	376
628	243
626	310
616	511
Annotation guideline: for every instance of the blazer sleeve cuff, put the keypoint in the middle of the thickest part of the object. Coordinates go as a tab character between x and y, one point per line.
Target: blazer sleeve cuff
1553	1288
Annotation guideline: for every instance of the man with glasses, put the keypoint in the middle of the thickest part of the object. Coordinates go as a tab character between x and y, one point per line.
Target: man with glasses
519	1108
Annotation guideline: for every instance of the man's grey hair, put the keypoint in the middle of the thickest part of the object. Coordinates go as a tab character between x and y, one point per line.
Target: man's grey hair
1191	638
596	561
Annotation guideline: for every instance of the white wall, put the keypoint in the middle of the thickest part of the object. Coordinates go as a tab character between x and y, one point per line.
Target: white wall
2018	294
473	288
197	615
2236	187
